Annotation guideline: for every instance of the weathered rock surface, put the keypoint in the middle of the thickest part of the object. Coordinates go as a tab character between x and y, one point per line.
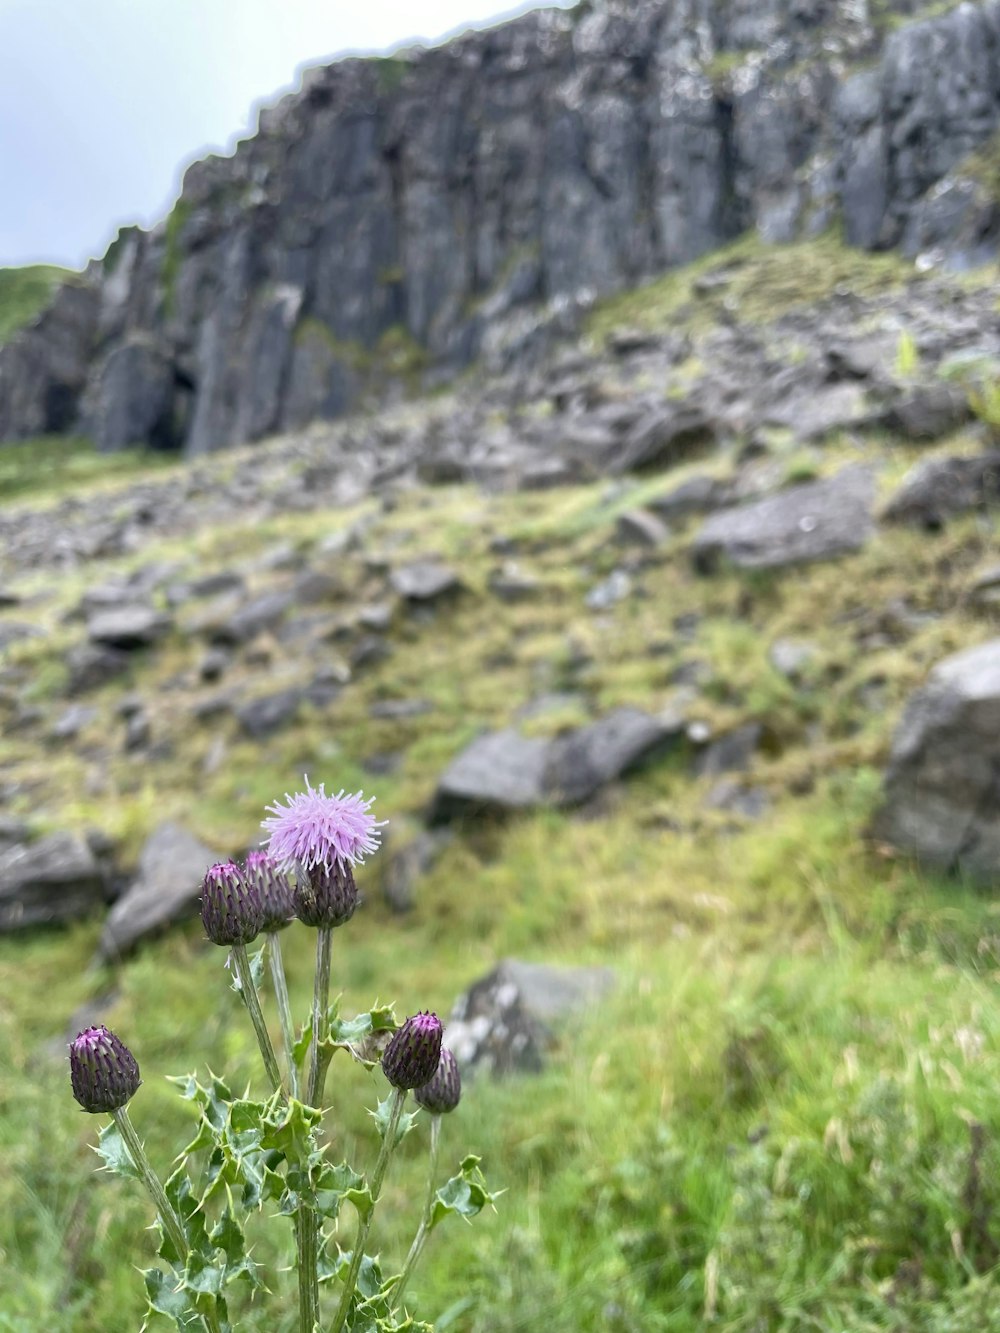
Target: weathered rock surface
508	1021
127	627
506	771
425	581
403	216
172	865
816	521
942	789
939	488
53	880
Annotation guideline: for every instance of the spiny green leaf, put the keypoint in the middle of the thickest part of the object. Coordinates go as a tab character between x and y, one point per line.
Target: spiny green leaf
382	1115
212	1100
288	1127
114	1154
331	1185
166	1297
257	970
464	1194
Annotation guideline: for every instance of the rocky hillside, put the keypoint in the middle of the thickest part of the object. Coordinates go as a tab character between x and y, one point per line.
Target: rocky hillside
617	573
398	218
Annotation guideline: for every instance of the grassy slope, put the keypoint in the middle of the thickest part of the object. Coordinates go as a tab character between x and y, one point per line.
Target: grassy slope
24	292
768	1126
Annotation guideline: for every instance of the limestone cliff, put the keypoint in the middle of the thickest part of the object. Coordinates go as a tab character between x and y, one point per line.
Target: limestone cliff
397	218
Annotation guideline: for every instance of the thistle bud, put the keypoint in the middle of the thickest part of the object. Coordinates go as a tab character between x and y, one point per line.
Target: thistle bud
230	907
103	1071
326	896
273	887
443	1091
411	1058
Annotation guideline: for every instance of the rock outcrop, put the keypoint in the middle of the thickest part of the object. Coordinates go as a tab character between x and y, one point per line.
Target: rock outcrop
406	215
943	785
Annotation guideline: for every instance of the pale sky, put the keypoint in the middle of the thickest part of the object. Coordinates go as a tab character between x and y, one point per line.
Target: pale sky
102	102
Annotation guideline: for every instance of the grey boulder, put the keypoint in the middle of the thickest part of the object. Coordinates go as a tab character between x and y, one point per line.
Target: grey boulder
167	887
53	880
815	521
942	795
506	1022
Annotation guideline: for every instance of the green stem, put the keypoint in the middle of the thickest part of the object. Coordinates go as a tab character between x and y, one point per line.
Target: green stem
365	1223
171	1222
307	1225
321	1004
284	1007
306	1242
248	990
420	1239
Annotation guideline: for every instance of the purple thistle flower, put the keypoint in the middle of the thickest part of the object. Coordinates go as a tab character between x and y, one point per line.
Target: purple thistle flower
273	887
411	1058
103	1071
314	829
443	1091
231	910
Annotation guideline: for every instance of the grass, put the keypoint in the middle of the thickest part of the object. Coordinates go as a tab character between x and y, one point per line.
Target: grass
56	465
24	293
784	1118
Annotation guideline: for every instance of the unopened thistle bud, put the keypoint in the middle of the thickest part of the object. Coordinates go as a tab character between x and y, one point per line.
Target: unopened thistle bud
103	1071
273	887
411	1058
444	1090
326	896
230	907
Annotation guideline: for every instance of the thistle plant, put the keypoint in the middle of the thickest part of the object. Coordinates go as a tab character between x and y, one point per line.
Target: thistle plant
251	1156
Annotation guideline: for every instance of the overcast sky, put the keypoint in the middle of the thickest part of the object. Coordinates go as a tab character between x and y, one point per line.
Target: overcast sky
103	101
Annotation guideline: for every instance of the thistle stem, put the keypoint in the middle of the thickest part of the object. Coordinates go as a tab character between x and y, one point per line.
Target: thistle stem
248	990
306	1238
171	1222
365	1223
321	1003
423	1230
284	1007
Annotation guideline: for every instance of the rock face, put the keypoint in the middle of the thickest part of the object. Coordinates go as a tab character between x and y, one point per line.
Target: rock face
411	213
942	789
812	522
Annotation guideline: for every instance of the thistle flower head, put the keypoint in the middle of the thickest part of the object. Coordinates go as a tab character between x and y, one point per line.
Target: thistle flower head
411	1057
324	896
314	829
231	910
103	1071
442	1093
274	889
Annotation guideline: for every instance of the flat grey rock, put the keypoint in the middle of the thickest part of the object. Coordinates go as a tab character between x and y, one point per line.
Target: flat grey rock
639	527
127	627
507	1022
505	771
583	761
941	797
47	882
937	489
501	771
817	521
167	888
424	581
